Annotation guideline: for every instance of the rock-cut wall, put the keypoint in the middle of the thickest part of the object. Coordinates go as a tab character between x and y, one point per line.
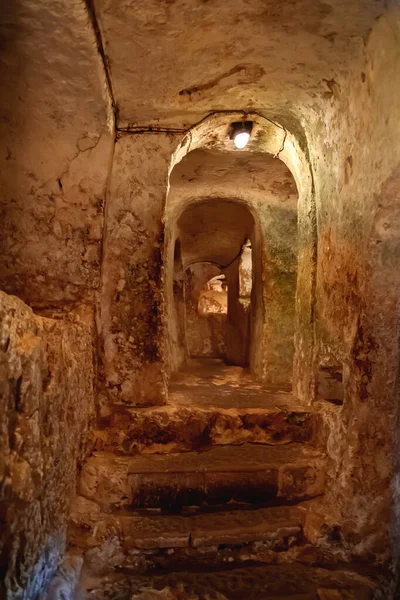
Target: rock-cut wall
46	404
356	163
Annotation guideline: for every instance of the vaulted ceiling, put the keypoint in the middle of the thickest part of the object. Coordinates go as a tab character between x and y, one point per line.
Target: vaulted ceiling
172	61
213	196
214	231
231	175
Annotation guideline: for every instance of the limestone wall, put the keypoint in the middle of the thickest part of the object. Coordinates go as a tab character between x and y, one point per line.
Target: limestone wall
55	147
131	296
355	151
68	245
56	140
47	404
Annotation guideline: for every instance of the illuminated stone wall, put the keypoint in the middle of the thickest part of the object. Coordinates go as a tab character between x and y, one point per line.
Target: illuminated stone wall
47	404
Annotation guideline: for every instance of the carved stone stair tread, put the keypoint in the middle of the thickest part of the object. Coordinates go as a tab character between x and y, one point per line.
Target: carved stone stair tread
245	526
225	397
247	473
245	457
209	403
183	428
173	531
274	582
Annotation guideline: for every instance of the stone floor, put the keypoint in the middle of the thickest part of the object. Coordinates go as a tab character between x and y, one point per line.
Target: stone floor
211	383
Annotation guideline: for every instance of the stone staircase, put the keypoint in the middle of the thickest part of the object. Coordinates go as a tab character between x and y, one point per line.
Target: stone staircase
223	476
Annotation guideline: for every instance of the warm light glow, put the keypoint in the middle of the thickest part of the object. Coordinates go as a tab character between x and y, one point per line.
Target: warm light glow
241	139
245	275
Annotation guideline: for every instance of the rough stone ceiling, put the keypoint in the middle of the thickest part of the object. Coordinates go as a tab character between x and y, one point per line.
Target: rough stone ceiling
214	231
203	187
239	175
55	103
172	61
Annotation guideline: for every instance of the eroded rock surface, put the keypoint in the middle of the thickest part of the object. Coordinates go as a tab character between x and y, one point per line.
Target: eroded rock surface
171	428
47	403
144	541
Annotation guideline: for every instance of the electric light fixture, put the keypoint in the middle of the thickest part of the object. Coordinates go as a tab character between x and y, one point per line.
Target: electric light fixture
240	133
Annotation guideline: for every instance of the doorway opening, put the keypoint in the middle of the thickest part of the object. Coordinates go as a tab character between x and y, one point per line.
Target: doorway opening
214	238
234	216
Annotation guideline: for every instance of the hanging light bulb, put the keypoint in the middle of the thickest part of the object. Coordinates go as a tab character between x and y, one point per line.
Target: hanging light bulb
240	133
240	140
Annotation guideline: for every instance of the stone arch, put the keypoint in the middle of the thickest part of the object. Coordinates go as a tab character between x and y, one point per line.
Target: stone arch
272	139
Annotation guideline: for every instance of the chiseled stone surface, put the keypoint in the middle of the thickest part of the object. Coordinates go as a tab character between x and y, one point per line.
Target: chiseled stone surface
46	400
56	142
218	56
356	165
65	582
148	541
131	298
144	542
326	594
205	331
152	531
219	214
247	473
325	70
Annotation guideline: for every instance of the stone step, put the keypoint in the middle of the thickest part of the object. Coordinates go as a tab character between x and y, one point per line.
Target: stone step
248	473
273	582
140	541
149	530
178	428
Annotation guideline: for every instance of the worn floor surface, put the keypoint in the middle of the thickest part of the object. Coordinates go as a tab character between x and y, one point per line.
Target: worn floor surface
211	383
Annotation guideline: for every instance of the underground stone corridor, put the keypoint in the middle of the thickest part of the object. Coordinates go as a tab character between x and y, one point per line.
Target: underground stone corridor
199	300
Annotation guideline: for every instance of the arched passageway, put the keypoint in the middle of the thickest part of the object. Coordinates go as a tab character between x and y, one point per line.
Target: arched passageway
236	214
213	232
103	106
